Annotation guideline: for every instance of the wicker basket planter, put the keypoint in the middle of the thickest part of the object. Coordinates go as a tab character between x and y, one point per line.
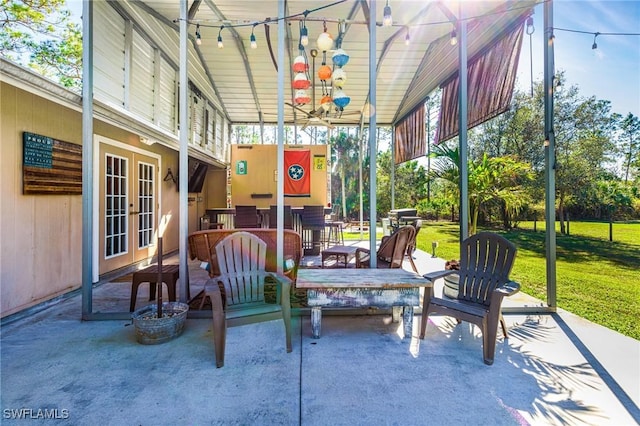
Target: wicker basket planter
151	330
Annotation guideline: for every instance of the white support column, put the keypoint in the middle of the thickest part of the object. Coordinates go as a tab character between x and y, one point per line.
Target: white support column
393	168
87	159
280	183
373	262
183	161
463	119
549	156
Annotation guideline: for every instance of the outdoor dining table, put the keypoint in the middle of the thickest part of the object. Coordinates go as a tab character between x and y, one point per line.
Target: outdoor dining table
359	288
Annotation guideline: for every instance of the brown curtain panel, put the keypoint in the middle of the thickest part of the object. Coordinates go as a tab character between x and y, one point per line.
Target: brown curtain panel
411	138
491	77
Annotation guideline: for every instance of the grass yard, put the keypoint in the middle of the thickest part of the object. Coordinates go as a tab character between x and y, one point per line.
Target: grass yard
596	279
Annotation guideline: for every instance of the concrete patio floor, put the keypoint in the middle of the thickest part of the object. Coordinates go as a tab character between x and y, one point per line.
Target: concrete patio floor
554	369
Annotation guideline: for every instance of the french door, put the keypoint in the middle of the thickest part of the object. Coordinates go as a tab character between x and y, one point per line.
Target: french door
128	206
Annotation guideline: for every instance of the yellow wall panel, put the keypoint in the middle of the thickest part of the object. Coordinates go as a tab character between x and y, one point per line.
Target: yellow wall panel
254	187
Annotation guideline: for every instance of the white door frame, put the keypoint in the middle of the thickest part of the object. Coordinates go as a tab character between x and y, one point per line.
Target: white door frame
97	140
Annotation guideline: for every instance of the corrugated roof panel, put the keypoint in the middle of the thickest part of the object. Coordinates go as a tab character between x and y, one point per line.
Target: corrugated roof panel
406	74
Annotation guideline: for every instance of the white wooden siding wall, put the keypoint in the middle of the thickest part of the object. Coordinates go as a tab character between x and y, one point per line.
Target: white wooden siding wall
219	135
211	126
142	78
108	55
136	72
226	136
166	111
197	119
191	115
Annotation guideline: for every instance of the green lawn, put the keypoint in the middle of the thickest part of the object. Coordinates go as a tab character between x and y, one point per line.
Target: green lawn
596	279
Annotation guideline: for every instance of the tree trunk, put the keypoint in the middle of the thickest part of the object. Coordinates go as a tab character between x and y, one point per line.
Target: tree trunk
561	214
506	222
610	225
474	221
344	201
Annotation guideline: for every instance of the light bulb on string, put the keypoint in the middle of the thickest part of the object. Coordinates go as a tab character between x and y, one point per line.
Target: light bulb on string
530	28
454	38
252	39
594	46
304	32
220	44
387	19
198	37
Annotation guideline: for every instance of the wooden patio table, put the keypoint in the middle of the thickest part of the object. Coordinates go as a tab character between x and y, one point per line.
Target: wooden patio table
359	288
345	252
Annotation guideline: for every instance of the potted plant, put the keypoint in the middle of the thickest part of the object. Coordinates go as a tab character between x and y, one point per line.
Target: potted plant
162	321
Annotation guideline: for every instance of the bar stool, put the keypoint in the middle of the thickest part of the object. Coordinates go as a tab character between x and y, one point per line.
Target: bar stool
246	217
170	274
273	217
313	229
334	231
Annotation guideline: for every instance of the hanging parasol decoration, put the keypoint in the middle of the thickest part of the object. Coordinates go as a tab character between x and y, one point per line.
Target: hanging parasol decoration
324	73
339	78
300	64
340	99
325	103
301	97
324	41
300	81
340	58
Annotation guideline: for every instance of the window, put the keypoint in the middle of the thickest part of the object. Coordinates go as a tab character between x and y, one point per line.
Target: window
146	202
115	206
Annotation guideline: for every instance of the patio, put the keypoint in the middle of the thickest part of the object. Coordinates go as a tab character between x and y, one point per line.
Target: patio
554	369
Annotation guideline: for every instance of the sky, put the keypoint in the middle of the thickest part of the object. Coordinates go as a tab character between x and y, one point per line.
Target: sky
610	72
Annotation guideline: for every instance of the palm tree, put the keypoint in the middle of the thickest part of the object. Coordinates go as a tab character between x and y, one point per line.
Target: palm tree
496	180
345	160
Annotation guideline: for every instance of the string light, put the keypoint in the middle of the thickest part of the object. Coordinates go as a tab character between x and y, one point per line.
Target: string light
220	44
387	19
530	31
304	33
530	28
254	44
594	46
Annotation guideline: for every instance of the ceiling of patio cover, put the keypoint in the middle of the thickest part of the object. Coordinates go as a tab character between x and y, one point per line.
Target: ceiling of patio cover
245	79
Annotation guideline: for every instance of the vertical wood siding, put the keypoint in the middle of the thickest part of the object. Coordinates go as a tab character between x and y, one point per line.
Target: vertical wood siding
108	55
142	78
